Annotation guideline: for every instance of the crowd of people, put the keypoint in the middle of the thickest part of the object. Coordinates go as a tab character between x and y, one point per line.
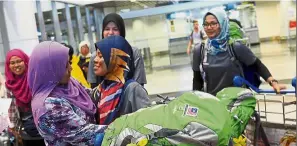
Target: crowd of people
69	99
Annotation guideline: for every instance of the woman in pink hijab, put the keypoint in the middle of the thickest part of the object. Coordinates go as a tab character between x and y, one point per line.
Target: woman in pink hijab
20	114
16	68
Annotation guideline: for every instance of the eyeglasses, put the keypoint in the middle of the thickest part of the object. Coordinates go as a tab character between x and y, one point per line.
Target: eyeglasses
212	24
16	62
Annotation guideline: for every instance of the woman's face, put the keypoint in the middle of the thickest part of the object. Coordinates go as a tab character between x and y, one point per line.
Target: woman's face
84	50
211	26
17	65
111	29
100	67
67	73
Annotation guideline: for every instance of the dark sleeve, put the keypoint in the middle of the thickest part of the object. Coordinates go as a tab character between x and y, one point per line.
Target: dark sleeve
135	98
261	69
248	58
197	79
244	54
139	72
196	57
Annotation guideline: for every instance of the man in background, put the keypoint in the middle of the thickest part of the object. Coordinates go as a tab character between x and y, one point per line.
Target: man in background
196	37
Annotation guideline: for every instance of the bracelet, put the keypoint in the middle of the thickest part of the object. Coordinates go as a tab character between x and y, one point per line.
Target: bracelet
272	81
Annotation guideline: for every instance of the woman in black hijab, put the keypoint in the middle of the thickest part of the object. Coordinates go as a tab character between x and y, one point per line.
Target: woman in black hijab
113	24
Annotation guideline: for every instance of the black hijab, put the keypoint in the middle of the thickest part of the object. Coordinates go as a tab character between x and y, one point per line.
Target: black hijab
118	20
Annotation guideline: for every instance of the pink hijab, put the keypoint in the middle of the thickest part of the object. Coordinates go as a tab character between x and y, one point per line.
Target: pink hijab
18	84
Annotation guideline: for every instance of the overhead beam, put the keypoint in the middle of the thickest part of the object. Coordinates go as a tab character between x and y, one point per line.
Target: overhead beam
173	8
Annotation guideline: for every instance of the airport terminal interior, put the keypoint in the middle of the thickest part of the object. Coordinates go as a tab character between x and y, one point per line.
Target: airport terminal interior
161	30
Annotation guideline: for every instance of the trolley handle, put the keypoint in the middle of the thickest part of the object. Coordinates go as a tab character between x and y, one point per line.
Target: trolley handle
239	82
294	82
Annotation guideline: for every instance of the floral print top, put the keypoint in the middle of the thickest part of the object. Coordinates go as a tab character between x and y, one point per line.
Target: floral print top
64	124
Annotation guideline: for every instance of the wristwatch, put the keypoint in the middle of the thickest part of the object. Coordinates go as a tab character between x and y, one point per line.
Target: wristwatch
272	81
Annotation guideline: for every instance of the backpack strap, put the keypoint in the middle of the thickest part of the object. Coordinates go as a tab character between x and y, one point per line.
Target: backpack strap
201	35
203	61
232	52
234	58
191	35
202	48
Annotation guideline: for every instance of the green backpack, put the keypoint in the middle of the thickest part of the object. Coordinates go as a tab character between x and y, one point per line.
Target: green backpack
193	119
241	103
235	31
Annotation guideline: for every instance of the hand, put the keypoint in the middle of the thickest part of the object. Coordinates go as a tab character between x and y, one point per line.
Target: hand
16	135
278	87
188	51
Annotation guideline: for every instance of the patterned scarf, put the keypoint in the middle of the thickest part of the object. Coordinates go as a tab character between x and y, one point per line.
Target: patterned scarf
219	43
116	52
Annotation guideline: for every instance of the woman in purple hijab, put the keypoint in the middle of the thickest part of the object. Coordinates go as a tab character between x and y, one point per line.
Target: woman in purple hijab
62	109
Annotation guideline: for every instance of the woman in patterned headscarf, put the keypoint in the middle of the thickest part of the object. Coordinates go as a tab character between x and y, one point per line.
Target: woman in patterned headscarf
117	94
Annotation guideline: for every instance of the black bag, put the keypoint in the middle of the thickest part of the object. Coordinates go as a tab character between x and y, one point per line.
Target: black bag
28	124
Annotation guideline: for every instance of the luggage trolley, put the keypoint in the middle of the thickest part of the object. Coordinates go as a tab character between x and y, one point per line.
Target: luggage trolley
280	115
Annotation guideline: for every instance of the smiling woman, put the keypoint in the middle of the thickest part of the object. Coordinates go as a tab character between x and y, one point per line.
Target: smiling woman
118	93
16	65
16	77
20	115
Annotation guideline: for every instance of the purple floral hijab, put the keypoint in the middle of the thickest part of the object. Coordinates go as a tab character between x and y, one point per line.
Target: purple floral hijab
47	67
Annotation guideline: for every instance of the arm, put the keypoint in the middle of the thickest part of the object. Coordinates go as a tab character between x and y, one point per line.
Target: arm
247	57
189	46
262	70
13	114
197	78
139	73
61	121
197	81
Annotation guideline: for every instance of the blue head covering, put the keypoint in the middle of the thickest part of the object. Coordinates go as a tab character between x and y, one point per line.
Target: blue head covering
114	49
118	57
219	43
